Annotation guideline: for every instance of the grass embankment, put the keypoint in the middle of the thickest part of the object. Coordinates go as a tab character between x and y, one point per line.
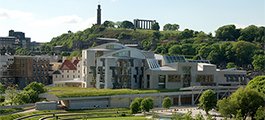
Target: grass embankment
63	92
95	114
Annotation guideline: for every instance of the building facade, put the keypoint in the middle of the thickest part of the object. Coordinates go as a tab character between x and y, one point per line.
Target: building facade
23	70
114	65
68	74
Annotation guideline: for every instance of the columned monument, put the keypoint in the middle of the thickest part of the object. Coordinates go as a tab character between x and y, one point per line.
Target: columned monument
143	24
99	15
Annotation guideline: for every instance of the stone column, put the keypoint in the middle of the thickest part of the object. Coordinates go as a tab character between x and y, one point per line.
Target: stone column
142	24
192	99
179	101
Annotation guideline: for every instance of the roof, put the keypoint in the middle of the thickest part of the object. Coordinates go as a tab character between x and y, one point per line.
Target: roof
108	39
75	62
164	68
68	65
56	72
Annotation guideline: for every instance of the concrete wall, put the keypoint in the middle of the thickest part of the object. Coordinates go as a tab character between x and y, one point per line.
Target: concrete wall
46	105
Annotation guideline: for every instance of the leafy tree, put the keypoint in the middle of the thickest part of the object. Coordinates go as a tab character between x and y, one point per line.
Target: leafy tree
38	87
167	103
258	84
135	107
244	52
199	116
175	50
259	62
249	33
207	100
155	26
11	93
227	33
171	27
127	24
147	104
186	34
226	107
245	100
109	24
260	113
188	116
231	65
2	91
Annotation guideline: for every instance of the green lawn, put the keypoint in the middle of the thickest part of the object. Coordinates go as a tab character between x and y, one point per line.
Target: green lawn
121	118
63	92
107	114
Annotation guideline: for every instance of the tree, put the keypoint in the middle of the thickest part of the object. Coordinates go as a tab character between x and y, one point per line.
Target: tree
127	24
258	84
135	107
259	62
246	100
227	33
38	87
147	104
108	24
186	34
175	50
244	52
155	26
11	93
230	65
172	27
199	116
167	103
207	100
2	91
260	113
249	33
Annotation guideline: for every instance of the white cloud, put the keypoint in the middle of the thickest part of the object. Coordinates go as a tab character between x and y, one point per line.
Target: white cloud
42	30
14	14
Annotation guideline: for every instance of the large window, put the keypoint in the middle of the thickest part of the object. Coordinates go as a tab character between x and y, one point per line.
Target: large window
162	81
174	78
205	78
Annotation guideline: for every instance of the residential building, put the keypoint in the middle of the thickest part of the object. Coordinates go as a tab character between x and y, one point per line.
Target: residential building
114	65
29	69
6	73
68	74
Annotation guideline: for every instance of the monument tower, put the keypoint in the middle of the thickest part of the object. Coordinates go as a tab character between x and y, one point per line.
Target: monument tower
98	15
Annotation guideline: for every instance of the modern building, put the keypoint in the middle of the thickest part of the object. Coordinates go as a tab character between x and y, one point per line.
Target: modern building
68	74
7	42
29	69
114	65
6	73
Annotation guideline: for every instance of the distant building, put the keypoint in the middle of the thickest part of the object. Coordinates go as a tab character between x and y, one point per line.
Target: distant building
29	69
6	73
114	65
143	24
7	42
68	74
21	40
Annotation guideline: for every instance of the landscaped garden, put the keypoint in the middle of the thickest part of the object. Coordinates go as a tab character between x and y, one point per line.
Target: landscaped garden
63	92
95	114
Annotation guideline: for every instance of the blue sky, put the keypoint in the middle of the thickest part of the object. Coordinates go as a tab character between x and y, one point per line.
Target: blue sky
43	19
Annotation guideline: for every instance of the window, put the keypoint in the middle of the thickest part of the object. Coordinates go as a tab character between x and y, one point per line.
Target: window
62	76
204	78
162	81
73	76
67	71
67	76
174	78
